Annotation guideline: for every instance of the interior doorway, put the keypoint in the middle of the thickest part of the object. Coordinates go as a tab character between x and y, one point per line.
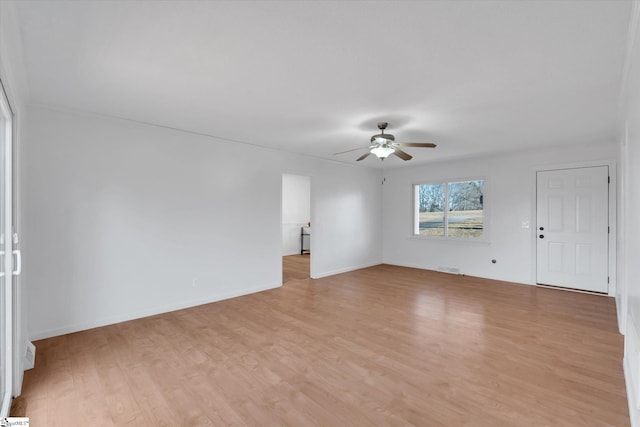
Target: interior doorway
296	227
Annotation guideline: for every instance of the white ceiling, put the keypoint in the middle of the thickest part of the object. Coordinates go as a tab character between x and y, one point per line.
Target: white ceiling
314	77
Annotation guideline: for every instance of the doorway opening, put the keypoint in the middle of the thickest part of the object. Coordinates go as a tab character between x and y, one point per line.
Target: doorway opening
296	227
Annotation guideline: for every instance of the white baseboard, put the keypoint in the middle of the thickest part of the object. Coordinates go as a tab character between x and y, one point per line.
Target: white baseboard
29	356
631	366
451	270
343	270
68	329
631	397
297	252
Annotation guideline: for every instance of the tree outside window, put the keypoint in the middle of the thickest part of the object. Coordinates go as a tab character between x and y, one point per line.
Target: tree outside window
450	209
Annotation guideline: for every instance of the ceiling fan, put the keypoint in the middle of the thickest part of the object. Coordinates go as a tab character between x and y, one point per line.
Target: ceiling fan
384	144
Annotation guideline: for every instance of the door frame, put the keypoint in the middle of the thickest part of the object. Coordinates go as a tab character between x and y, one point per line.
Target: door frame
612	215
7	259
311	216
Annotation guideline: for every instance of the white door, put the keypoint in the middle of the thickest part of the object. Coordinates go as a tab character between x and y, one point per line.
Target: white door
6	299
573	228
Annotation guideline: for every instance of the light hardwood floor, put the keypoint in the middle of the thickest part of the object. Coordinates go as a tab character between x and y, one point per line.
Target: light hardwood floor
295	267
380	346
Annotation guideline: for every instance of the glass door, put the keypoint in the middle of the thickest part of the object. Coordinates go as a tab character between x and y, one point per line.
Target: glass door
6	298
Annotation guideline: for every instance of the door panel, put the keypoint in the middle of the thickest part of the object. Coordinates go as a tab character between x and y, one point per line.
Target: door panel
555	214
556	250
572	228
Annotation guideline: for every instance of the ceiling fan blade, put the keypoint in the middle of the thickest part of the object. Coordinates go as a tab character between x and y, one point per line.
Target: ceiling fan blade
416	144
404	156
364	156
355	149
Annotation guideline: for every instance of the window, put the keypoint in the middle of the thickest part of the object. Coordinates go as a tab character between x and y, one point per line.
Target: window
449	209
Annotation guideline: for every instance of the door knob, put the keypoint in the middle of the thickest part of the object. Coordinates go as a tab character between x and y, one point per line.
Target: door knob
542	236
541	228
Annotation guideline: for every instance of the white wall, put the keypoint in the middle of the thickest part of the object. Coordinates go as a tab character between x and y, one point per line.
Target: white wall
13	76
296	211
352	237
629	298
509	200
127	220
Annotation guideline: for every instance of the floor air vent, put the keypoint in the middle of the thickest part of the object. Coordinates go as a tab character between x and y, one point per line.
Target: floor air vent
449	270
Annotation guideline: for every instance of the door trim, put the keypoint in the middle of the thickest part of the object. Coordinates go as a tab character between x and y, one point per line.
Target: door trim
312	204
7	260
613	174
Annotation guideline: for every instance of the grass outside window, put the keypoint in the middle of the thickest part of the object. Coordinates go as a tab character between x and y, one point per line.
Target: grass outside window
450	209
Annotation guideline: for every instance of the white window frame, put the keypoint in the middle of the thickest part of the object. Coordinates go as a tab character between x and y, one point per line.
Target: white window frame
415	215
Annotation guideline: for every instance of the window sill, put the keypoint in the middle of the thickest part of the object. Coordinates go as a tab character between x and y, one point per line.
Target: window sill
481	241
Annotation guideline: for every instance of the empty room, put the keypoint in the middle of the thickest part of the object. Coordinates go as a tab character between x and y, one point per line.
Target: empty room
299	213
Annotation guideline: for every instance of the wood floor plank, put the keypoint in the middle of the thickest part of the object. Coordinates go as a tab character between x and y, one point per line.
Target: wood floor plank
295	267
384	345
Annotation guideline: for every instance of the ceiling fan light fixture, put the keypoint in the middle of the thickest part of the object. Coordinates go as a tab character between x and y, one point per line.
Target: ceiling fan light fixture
382	152
383	145
383	138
